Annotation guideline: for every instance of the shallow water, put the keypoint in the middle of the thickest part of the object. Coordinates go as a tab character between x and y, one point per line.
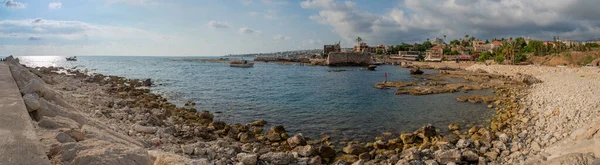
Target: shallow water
307	99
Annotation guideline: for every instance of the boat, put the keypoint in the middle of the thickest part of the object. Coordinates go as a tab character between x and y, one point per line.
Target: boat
74	58
241	64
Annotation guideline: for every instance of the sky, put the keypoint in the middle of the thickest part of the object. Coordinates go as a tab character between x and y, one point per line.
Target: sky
221	27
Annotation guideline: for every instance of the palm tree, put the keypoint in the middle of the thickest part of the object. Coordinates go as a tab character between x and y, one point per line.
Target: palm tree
358	40
508	49
466	35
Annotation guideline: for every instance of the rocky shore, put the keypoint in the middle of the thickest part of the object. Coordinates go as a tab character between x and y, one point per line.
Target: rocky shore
97	119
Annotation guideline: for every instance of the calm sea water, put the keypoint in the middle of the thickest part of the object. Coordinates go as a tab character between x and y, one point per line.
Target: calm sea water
307	99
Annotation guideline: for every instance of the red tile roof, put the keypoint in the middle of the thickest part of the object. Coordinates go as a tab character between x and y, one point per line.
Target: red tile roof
496	43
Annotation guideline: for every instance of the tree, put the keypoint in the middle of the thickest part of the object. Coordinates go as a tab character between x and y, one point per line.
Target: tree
487	41
358	40
484	56
466	35
508	50
454	42
379	51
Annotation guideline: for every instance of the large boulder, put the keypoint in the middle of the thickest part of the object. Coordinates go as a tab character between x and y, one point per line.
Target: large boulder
277	134
305	151
31	102
326	151
426	131
296	140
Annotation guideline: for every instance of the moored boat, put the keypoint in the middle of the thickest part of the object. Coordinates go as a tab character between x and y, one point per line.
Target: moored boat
74	58
241	64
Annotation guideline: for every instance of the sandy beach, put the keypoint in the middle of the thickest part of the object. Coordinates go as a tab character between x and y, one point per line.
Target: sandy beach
83	119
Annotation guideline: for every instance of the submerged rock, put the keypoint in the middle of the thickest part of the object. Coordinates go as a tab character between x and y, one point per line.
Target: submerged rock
415	71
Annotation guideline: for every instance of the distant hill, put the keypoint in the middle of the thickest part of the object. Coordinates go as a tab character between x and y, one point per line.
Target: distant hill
281	54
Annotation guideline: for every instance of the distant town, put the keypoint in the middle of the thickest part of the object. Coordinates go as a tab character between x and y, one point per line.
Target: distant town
501	50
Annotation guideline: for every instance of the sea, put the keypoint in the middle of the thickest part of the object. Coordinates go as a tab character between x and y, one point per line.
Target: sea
316	101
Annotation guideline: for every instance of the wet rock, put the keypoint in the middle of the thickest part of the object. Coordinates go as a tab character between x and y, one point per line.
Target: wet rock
454	127
247	137
247	159
147	83
379	144
277	158
415	71
426	131
326	151
277	134
354	149
259	123
446	156
408	138
296	140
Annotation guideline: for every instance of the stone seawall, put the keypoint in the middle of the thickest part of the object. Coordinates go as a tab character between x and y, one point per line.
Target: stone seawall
348	59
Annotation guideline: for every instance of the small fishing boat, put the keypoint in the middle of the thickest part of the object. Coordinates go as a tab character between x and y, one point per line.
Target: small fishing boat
241	64
74	58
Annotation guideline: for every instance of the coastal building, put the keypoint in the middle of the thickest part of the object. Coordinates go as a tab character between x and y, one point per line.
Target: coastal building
349	59
571	43
495	44
409	55
480	46
335	48
435	54
266	58
380	47
436	41
364	48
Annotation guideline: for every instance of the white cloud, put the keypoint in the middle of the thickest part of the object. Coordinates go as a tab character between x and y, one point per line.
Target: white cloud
70	30
215	24
14	4
253	13
55	5
282	37
246	30
416	20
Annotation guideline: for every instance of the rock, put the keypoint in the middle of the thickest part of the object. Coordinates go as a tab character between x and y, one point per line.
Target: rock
354	149
464	143
492	155
147	83
426	131
189	103
31	102
326	151
277	157
408	138
446	156
77	135
315	160
535	146
259	123
415	71
504	138
347	158
431	162
296	140
411	154
470	156
247	159
64	138
277	134
247	137
573	158
305	151
359	162
454	127
364	156
144	129
499	145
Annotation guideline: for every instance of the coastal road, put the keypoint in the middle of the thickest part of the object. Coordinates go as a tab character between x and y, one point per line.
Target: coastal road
18	141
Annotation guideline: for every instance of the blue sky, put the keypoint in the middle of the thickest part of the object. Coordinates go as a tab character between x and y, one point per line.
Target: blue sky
220	27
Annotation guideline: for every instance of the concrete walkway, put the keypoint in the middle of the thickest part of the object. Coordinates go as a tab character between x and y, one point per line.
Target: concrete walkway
18	142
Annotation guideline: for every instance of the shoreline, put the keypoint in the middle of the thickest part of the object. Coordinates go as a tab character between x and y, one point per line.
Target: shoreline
276	145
